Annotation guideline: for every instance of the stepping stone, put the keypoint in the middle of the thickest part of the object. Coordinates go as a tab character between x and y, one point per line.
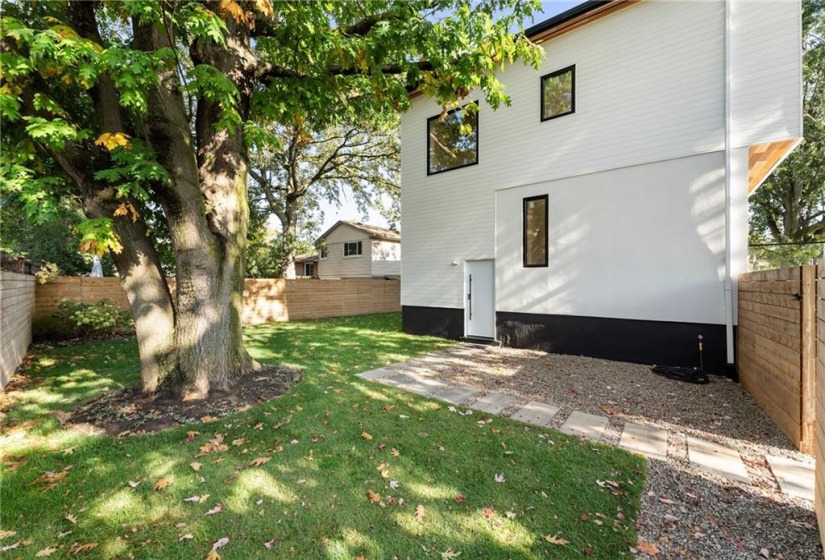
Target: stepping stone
457	394
375	373
583	424
493	403
645	440
397	379
795	477
718	459
536	413
424	387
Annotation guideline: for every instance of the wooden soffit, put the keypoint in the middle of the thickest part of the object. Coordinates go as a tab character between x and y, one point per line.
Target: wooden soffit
763	158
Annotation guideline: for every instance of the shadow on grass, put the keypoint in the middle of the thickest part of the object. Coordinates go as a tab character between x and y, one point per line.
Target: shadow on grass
329	442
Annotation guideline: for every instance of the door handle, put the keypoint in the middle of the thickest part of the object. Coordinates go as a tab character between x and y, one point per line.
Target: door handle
470	297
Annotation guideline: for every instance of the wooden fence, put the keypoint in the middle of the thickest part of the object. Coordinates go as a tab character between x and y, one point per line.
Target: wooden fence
819	451
776	347
16	305
265	300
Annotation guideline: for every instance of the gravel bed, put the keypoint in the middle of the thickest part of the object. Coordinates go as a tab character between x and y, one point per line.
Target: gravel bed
685	512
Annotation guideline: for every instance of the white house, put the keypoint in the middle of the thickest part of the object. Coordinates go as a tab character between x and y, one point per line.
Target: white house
352	249
605	212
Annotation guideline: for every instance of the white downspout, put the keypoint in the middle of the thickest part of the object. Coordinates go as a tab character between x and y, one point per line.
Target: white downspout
728	185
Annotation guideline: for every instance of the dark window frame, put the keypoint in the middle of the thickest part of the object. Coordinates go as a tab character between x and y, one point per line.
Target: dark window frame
359	246
311	268
572	70
524	251
478	139
323	253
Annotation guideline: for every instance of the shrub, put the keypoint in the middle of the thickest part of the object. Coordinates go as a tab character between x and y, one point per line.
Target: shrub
94	319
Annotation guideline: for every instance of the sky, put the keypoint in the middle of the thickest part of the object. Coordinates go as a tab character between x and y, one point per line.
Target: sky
348	211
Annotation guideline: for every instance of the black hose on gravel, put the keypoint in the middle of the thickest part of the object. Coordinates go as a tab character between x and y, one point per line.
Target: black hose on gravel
688	375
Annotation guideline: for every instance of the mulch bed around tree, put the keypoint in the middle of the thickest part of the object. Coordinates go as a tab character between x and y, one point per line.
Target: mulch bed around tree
129	412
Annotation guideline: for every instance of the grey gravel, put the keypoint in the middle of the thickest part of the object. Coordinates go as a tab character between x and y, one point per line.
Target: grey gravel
686	513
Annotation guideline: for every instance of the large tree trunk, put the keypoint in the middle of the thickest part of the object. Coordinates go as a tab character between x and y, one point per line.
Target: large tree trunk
207	211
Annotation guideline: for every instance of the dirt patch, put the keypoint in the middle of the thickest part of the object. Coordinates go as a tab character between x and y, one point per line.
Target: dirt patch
128	412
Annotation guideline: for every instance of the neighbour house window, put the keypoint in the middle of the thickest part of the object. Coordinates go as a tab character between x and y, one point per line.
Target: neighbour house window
535	231
309	269
323	252
452	140
352	249
558	93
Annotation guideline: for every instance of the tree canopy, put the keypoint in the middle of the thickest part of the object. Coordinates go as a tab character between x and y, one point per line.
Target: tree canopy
141	107
789	207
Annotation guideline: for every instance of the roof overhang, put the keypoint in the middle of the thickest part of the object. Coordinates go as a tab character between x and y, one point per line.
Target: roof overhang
764	158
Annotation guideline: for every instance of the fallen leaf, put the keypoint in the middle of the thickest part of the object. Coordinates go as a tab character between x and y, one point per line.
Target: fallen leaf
499	478
124	433
459	499
80	548
196	499
510	514
556	540
213	555
208	419
647	548
48	551
71	519
220	543
217	509
394	484
238	442
366	436
186	537
395	453
7	534
259	426
190	436
667	501
133	483
269	544
10	546
163	483
419	513
488	512
449	553
195	466
374	497
259	461
765	552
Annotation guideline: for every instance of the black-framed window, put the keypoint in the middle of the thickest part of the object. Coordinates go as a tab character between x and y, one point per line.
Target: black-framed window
452	141
323	252
309	269
534	226
558	93
352	249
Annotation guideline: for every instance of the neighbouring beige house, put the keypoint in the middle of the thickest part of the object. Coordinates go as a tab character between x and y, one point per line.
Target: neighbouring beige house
353	250
306	266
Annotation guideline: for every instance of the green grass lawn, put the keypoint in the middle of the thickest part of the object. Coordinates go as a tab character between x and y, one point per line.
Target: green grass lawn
353	468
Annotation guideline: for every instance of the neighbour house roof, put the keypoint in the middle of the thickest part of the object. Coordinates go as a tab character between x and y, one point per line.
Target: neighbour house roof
307	257
374	232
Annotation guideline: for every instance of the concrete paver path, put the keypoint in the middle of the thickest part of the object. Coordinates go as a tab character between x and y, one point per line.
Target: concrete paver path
795	478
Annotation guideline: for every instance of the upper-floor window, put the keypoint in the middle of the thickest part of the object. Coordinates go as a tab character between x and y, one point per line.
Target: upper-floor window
535	231
352	249
452	140
558	93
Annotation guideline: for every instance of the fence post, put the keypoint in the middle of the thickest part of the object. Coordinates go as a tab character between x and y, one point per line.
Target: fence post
807	290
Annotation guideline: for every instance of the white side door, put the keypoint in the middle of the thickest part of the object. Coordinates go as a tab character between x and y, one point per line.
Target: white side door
479	300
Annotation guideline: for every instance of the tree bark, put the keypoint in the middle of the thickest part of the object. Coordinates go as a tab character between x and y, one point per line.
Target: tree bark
207	211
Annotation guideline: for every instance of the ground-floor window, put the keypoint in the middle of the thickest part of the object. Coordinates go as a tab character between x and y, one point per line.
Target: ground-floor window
535	231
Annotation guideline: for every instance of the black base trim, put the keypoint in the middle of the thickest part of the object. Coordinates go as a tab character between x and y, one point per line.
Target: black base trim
627	340
445	322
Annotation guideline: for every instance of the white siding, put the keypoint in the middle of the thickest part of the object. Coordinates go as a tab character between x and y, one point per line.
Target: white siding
767	71
336	265
649	88
386	258
643	242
